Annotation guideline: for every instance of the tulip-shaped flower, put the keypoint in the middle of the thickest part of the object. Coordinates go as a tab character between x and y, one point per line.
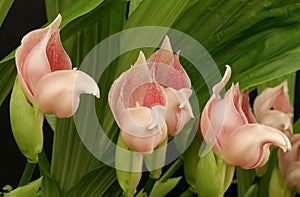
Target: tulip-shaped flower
171	75
273	108
138	104
45	73
289	164
229	126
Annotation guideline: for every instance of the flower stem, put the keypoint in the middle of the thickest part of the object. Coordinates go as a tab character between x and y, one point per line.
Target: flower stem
174	167
149	185
27	174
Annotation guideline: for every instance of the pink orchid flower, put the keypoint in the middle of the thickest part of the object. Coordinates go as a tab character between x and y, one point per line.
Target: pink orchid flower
45	73
230	127
289	164
138	104
273	108
172	76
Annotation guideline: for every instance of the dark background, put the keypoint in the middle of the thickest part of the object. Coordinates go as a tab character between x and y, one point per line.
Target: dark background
23	17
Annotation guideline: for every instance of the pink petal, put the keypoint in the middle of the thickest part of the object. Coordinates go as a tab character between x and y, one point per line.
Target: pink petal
278	120
138	135
57	56
246	107
58	92
286	159
148	95
142	121
248	146
273	98
214	110
31	58
179	109
144	145
169	71
164	55
222	116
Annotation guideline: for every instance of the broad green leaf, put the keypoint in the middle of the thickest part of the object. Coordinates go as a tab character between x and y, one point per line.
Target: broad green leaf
27	190
133	4
255	39
162	188
4	7
95	183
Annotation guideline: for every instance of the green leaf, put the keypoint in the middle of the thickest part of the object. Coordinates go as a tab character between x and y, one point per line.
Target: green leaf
8	73
27	190
162	188
252	191
95	183
244	179
191	158
26	122
4	7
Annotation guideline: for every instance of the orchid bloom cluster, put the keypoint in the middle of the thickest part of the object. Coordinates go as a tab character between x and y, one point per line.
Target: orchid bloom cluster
151	99
45	73
231	127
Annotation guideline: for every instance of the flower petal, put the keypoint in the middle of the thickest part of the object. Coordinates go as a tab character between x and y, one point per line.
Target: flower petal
278	120
179	110
57	56
273	98
248	146
169	71
31	58
142	121
144	145
58	92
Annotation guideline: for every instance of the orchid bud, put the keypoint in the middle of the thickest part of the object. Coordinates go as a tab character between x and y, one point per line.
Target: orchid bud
289	164
273	108
45	73
229	126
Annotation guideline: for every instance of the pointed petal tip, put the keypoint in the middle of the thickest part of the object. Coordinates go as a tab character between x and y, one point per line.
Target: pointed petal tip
141	59
166	44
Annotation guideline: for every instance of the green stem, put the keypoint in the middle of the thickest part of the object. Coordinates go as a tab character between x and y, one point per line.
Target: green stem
149	185
187	193
27	174
44	164
174	167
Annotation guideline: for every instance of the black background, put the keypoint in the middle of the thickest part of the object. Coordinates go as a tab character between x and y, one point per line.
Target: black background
23	17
